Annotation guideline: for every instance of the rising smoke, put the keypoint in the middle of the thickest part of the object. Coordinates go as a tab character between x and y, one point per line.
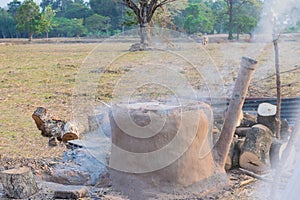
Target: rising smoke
276	16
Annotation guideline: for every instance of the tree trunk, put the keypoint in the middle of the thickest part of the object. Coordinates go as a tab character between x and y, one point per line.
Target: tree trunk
18	183
230	27
238	33
235	107
30	37
47	35
234	154
255	152
144	29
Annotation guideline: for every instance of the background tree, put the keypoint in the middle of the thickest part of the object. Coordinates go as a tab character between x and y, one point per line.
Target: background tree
13	7
198	18
234	8
47	20
247	17
112	9
46	3
28	18
69	27
7	24
144	11
97	24
219	13
166	14
76	9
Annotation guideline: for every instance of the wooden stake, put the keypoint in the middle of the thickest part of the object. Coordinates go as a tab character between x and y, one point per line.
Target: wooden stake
278	85
235	107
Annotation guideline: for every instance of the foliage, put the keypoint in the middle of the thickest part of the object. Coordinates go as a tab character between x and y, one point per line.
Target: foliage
129	19
191	16
13	7
69	27
220	17
7	24
165	15
97	23
246	10
28	18
47	20
76	9
198	18
109	8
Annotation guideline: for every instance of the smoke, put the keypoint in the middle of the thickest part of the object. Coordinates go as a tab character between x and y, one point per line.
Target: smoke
291	191
276	16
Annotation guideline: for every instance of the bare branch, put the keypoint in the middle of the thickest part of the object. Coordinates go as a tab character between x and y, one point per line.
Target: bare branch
130	4
164	2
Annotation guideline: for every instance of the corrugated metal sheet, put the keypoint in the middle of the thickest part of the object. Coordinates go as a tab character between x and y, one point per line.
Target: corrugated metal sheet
290	107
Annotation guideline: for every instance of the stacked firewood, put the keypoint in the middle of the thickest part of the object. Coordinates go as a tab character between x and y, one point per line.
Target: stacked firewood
255	146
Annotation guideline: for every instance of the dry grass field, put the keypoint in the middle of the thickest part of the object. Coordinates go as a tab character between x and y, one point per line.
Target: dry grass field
43	74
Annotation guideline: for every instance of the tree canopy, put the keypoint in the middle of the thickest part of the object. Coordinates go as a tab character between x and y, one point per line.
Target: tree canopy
101	18
28	18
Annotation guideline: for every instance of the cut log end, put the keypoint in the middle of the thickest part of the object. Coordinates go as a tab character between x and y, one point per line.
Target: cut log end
266	109
18	183
255	152
69	136
252	162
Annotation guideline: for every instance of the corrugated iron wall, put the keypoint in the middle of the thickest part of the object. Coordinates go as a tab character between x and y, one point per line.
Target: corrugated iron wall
290	107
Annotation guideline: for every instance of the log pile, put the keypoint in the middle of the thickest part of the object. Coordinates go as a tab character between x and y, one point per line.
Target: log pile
253	145
57	130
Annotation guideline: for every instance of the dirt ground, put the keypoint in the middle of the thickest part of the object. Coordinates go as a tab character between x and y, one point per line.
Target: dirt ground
44	74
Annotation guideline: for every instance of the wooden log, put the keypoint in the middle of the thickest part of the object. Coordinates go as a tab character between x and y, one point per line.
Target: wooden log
266	115
55	129
233	157
71	194
285	130
70	131
274	152
248	120
235	107
40	116
255	152
242	131
228	163
18	183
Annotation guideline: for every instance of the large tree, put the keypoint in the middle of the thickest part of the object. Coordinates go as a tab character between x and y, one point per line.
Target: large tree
28	18
198	18
234	9
47	20
144	11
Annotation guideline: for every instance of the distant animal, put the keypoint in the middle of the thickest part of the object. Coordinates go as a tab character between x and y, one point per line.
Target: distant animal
205	40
